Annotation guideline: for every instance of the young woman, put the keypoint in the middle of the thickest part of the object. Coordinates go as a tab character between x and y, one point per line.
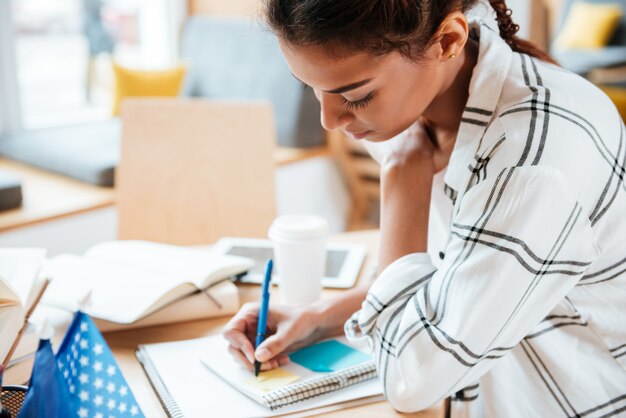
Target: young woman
522	310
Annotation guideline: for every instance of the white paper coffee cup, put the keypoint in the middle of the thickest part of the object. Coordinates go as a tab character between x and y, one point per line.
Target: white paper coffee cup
300	257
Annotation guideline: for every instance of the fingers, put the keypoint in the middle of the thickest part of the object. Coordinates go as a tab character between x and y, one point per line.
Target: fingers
238	322
240	358
240	332
241	343
237	330
267	365
272	346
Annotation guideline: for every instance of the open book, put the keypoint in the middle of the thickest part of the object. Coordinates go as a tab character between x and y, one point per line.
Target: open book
20	283
126	283
234	391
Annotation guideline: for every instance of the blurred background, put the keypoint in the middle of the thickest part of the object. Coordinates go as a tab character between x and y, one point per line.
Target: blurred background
64	48
67	65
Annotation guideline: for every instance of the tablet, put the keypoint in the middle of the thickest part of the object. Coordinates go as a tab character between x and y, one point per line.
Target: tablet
343	261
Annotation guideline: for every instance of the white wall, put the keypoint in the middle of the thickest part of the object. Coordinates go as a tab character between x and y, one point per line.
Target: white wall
10	110
73	234
313	186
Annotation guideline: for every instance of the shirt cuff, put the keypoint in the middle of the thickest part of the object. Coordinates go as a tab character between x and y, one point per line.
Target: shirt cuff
399	281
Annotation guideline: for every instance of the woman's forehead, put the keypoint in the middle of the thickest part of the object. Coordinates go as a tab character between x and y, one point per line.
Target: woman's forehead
327	69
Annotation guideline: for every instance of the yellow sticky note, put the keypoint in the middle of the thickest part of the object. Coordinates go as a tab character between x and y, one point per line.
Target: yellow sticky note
273	379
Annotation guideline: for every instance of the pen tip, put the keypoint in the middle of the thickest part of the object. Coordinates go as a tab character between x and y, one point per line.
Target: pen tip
257	368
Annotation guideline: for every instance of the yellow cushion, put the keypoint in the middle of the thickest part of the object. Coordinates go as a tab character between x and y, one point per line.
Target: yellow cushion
589	25
618	96
141	83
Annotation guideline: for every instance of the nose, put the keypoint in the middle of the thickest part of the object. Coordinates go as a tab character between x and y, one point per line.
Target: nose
333	115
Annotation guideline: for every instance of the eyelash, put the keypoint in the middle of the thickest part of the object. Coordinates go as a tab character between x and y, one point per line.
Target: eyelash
358	104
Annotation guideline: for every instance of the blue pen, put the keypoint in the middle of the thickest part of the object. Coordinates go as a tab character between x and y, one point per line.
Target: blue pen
265	302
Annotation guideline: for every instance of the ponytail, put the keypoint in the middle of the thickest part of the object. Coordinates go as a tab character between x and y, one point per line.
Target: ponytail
508	29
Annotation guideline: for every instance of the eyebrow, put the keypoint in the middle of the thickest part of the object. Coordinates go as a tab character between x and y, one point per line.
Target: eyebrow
349	87
345	88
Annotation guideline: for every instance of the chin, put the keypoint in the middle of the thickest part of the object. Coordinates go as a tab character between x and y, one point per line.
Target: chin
376	137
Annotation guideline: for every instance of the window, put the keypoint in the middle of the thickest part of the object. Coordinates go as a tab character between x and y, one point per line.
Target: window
64	48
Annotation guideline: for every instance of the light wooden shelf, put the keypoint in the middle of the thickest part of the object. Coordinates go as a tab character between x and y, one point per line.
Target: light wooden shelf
48	196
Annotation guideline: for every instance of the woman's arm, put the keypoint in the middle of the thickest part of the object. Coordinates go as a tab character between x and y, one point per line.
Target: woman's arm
405	204
519	242
407	164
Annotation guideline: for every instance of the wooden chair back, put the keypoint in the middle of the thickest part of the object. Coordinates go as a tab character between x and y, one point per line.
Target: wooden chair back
192	171
362	175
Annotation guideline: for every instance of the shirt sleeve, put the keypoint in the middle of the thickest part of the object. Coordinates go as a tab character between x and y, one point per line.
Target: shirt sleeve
519	242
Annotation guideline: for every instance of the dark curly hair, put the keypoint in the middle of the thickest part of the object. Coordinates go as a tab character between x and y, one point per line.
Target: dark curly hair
380	26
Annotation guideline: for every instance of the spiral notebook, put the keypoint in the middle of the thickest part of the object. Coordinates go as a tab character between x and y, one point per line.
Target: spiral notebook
198	378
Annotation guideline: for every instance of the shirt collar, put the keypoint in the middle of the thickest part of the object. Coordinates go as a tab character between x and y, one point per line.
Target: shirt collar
488	77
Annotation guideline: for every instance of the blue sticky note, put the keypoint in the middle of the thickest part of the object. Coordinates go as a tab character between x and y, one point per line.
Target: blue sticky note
328	356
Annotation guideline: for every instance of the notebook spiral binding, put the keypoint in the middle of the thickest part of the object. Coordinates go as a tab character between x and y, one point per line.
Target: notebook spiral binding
167	401
320	385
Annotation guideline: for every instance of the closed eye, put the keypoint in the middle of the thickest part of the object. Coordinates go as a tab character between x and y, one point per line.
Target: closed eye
357	104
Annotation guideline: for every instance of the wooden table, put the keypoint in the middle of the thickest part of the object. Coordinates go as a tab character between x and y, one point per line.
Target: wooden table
124	344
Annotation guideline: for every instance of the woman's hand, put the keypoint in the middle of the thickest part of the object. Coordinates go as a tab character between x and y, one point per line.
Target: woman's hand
288	329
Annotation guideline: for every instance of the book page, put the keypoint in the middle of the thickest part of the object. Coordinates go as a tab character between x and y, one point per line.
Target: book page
200	267
12	319
116	293
222	299
20	267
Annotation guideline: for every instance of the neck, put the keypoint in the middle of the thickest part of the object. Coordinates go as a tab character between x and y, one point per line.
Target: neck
444	113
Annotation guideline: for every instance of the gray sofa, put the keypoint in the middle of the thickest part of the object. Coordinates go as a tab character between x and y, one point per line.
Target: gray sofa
227	59
87	152
240	59
582	61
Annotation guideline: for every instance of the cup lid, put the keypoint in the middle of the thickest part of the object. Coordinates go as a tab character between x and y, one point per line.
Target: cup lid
298	227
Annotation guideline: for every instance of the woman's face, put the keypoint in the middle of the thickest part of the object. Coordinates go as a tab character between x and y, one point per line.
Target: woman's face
367	97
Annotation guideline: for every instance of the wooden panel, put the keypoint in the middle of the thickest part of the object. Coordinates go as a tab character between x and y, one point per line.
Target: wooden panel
48	196
372	189
539	31
290	155
361	174
608	75
229	8
355	146
553	8
192	171
367	167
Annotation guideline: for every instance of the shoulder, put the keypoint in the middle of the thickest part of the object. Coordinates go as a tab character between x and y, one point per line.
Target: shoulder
543	100
550	117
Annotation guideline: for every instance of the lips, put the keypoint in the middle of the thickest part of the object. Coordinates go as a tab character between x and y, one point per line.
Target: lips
358	135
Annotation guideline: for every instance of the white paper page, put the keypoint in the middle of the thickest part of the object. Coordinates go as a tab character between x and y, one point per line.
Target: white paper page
20	267
11	320
118	294
183	263
224	366
200	393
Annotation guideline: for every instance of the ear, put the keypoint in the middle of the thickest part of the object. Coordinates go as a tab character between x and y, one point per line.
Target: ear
452	35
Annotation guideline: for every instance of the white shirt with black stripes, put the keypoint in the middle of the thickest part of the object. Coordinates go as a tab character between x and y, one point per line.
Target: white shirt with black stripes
525	315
